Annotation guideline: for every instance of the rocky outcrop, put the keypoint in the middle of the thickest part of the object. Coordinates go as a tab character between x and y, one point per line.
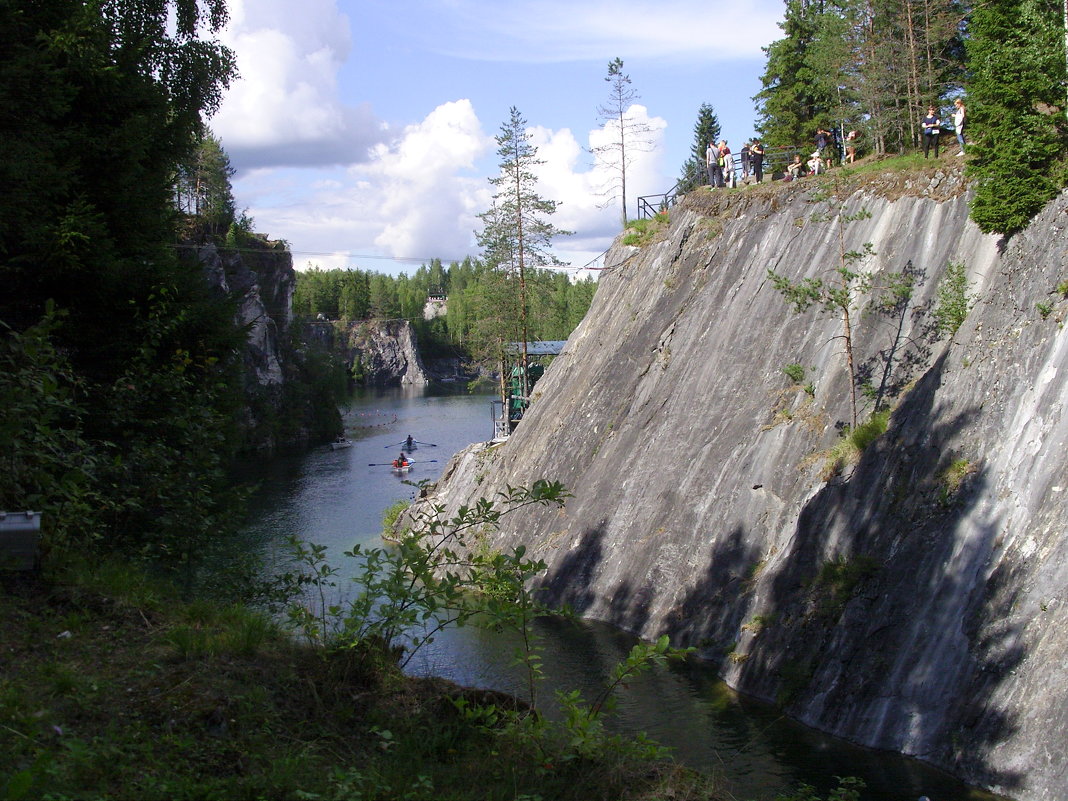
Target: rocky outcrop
264	303
913	599
377	353
280	412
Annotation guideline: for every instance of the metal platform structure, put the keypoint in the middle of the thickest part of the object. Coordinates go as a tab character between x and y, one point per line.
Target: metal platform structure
521	367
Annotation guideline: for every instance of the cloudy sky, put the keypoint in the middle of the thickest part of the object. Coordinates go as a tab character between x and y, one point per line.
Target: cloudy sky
362	130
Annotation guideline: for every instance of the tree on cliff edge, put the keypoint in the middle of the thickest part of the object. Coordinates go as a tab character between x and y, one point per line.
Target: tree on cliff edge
1016	110
517	234
627	135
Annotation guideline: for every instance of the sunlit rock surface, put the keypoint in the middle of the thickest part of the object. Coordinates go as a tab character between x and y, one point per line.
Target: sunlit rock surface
913	600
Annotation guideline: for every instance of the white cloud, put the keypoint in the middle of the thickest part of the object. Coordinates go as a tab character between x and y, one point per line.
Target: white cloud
419	197
285	108
428	201
415	198
588	188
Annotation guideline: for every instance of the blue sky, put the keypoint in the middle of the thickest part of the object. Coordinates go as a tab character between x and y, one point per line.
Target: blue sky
362	132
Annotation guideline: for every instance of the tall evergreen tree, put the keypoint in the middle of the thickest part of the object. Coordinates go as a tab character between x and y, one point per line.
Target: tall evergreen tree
1015	101
794	98
705	130
517	233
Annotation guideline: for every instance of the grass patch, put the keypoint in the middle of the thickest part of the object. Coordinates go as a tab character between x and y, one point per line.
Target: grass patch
852	444
190	701
900	163
758	623
838	581
643	232
953	480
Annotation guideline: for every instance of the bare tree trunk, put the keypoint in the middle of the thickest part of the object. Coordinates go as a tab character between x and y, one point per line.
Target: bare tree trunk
525	361
913	91
623	164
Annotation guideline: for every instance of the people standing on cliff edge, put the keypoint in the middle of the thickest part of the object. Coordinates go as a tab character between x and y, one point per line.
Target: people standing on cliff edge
851	146
960	117
726	161
823	139
713	166
745	157
932	127
756	159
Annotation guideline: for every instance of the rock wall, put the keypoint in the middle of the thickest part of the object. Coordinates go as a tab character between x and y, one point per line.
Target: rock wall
280	412
913	600
383	352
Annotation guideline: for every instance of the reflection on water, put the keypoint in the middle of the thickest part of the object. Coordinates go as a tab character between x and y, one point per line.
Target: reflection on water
336	498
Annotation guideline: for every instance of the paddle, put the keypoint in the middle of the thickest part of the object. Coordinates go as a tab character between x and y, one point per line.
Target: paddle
383	464
420	442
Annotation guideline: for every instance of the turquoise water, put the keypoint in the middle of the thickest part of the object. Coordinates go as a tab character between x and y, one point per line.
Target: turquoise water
336	498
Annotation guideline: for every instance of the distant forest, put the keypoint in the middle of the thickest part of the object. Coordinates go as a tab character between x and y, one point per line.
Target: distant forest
481	303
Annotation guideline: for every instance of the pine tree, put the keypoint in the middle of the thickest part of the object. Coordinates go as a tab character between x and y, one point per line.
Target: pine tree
517	234
628	135
202	186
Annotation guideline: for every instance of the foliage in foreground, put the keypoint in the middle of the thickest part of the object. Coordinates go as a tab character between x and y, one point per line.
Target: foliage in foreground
120	692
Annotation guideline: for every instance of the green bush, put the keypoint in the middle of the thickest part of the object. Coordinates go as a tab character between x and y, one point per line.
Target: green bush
954	300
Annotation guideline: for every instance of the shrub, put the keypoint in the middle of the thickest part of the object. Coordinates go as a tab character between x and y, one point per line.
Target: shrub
795	372
853	442
954	301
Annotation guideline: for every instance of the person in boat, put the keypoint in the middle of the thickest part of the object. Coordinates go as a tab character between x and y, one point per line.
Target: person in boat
401	461
409	443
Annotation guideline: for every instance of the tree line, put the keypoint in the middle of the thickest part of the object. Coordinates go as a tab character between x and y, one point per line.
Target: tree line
876	65
476	294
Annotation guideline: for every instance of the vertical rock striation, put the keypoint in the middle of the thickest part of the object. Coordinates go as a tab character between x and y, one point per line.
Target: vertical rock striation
281	413
913	599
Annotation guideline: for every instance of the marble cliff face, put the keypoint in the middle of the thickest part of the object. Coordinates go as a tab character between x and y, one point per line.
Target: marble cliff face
911	598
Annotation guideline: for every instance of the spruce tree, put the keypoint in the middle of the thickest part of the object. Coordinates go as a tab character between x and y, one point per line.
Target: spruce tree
705	130
1015	49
